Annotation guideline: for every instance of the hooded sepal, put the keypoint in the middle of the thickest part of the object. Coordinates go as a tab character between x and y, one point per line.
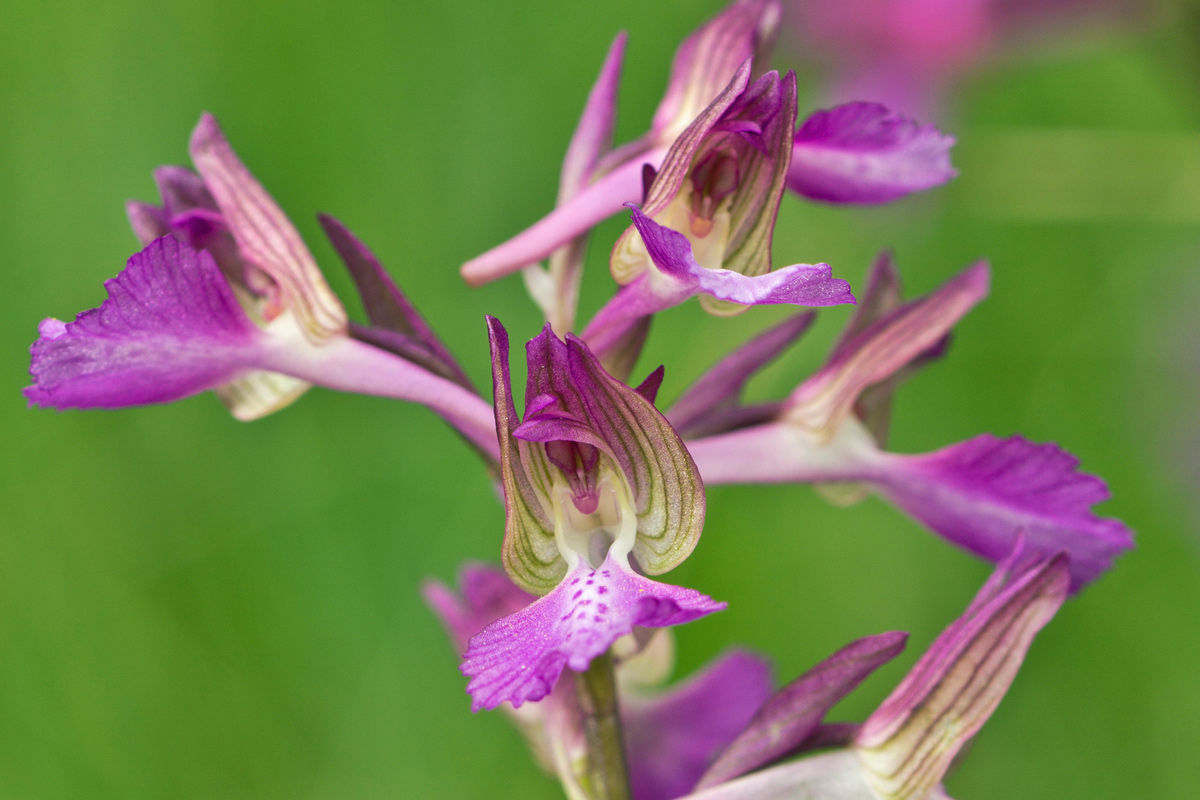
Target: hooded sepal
265	237
170	327
880	351
794	713
866	154
908	744
520	657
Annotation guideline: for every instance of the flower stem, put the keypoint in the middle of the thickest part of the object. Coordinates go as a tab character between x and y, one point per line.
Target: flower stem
597	692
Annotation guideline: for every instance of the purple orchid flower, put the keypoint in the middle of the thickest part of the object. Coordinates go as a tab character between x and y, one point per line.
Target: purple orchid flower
703	66
595	481
670	735
865	153
905	748
675	276
906	53
980	494
225	296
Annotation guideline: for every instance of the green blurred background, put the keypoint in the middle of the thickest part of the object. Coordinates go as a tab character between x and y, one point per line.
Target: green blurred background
192	607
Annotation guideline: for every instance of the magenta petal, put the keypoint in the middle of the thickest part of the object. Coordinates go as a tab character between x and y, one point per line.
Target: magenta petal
984	493
795	711
671	737
799	284
171	327
865	153
487	594
518	658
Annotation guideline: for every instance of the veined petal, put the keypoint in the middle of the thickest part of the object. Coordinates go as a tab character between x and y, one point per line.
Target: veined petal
865	153
531	555
265	236
822	402
718	389
907	745
519	658
671	737
799	284
387	307
171	327
706	60
793	713
984	493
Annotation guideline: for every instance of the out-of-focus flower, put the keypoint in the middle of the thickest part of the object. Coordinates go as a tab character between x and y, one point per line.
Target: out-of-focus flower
864	153
980	494
703	66
905	53
905	748
225	296
670	736
594	480
675	275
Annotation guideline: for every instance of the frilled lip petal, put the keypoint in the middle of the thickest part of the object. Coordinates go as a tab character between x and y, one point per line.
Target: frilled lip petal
907	745
519	658
171	327
794	712
671	737
485	594
865	153
589	207
983	493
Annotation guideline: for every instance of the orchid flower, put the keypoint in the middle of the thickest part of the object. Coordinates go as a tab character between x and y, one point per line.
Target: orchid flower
905	53
703	66
595	482
980	494
905	748
670	736
225	296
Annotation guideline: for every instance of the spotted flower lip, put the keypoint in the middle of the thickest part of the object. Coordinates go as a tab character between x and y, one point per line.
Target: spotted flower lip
676	276
864	153
981	494
906	746
670	735
703	65
595	481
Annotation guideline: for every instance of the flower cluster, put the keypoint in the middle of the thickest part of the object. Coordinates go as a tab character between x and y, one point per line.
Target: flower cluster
604	491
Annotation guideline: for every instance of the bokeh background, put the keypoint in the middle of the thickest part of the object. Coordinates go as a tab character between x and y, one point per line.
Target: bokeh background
192	607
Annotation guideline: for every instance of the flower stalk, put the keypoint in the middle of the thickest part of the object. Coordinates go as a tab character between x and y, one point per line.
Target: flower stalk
607	777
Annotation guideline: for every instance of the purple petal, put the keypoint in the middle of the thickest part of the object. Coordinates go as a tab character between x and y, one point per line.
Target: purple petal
520	657
865	153
907	745
148	222
671	737
594	132
793	714
719	388
836	775
799	284
182	190
171	327
485	595
984	493
589	207
822	402
386	305
706	60
265	236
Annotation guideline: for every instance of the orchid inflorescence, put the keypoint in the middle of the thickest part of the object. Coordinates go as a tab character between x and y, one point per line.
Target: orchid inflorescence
603	491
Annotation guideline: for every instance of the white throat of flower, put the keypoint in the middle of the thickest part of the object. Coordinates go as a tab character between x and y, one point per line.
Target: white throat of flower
611	530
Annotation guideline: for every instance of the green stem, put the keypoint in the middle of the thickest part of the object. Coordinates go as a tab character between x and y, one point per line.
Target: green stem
597	692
